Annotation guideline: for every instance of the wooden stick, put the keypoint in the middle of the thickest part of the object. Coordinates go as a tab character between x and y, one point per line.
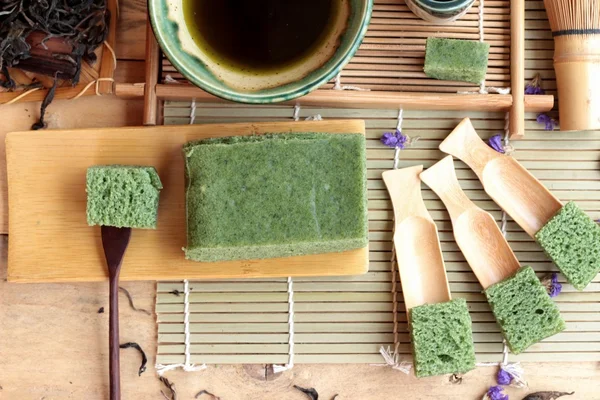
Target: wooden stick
152	64
389	100
517	69
107	66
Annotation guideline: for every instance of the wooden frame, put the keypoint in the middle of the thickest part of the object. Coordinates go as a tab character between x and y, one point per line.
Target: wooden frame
107	69
516	103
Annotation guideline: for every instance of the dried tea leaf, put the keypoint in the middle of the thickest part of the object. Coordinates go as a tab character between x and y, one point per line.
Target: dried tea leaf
130	299
546	395
33	33
206	392
45	103
310	392
138	348
170	386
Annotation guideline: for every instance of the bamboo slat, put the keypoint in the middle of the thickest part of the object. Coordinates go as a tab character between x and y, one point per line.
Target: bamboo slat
347	319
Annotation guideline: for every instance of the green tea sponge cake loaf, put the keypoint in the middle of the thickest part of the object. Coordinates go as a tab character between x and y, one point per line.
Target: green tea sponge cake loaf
441	337
572	240
275	195
456	60
523	309
122	196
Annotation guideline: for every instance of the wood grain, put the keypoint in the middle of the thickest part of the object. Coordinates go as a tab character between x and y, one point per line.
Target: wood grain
475	230
380	99
517	68
418	253
510	185
50	239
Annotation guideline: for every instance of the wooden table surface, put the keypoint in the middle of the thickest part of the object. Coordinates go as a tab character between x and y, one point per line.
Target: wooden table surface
53	341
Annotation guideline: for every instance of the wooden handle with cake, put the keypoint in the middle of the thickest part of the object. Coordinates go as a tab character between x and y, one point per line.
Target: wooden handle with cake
507	182
475	230
418	251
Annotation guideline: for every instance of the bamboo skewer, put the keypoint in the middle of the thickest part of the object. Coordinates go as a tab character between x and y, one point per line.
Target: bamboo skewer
152	65
517	69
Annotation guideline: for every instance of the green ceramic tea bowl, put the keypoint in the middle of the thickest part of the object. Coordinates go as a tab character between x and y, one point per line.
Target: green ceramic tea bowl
346	32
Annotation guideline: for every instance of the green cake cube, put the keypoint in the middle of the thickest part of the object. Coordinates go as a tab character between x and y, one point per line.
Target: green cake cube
456	60
275	195
572	240
442	339
122	196
523	309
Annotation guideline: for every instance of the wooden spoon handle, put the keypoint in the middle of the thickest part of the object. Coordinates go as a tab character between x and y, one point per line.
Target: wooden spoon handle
441	178
464	143
404	188
113	340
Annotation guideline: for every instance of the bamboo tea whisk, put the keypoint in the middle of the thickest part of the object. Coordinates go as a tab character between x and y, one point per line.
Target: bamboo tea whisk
575	27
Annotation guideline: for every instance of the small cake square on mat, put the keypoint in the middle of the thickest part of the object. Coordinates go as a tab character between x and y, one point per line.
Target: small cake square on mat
572	240
456	60
523	309
441	337
275	195
122	196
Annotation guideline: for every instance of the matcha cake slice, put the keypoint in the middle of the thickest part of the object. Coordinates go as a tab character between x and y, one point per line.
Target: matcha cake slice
456	60
523	309
572	240
442	340
122	196
275	195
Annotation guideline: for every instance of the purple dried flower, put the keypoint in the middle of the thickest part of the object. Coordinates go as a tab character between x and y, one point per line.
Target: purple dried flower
495	142
549	122
503	377
394	139
496	393
535	86
550	282
555	286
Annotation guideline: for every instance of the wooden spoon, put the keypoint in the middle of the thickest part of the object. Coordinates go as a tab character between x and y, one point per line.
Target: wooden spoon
420	261
475	230
507	182
114	242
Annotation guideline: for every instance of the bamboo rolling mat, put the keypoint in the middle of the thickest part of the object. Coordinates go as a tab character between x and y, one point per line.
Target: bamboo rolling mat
392	54
347	319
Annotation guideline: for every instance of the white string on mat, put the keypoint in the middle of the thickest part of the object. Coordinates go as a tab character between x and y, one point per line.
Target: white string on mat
170	79
296	116
337	85
290	364
187	365
193	112
482	88
392	357
513	369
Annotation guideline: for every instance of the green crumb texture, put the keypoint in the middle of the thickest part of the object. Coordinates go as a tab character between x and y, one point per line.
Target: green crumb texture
572	240
442	339
122	196
456	60
275	195
523	309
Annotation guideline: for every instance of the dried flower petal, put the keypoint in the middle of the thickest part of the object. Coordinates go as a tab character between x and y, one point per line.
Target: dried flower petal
496	393
550	124
555	286
503	377
394	139
495	142
535	86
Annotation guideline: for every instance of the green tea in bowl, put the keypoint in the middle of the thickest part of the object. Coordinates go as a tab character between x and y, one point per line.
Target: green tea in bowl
259	51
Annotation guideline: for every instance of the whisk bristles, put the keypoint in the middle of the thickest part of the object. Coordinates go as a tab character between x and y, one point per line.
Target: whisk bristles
573	17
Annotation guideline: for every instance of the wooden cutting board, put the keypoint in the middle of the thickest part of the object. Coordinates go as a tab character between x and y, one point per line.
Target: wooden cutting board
50	240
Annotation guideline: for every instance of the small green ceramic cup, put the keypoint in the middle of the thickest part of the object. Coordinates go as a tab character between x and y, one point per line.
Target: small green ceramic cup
342	41
439	11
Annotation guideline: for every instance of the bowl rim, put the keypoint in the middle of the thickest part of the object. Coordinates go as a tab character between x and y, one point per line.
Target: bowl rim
256	98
